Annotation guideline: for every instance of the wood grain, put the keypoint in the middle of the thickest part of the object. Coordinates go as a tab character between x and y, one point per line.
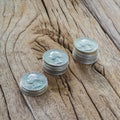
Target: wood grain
108	16
85	92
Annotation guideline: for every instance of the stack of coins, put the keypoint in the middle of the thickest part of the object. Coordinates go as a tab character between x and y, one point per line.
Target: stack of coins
85	50
33	84
55	62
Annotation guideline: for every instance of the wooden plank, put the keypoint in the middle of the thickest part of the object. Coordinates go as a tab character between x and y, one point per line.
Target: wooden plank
12	100
85	92
107	13
4	112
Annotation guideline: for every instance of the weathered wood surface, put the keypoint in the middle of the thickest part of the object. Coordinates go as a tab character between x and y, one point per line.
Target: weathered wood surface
86	92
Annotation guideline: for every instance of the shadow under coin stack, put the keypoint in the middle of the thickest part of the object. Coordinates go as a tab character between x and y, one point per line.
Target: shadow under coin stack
55	62
85	51
33	84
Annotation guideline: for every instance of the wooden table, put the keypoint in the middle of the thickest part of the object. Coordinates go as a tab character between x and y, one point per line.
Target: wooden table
86	92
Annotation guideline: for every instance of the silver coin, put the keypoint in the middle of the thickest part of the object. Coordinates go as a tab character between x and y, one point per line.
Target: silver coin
33	82
55	62
85	51
55	57
85	55
84	60
59	68
51	72
33	94
86	45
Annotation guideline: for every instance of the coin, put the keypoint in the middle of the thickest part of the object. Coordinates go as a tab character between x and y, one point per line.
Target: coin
86	45
84	61
33	83
55	68
55	62
35	93
85	51
55	57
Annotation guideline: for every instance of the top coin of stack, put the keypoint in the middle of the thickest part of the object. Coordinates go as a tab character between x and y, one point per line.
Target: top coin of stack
85	50
33	84
55	62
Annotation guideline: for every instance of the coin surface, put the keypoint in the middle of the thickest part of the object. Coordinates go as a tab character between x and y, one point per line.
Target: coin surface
85	51
55	62
35	93
55	57
85	45
55	68
33	82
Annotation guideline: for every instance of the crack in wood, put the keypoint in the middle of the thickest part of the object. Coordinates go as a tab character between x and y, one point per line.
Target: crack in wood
70	96
102	73
46	11
68	86
18	87
77	118
56	37
24	30
63	12
6	56
44	47
99	68
87	93
107	31
4	9
73	4
108	106
59	32
5	102
117	4
60	92
29	107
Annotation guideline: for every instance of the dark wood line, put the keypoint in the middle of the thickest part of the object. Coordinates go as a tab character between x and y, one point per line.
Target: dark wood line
11	68
117	4
77	118
18	87
87	94
73	4
114	40
35	49
60	92
56	40
47	12
63	11
114	113
70	13
5	102
41	45
103	75
23	31
59	32
3	14
68	86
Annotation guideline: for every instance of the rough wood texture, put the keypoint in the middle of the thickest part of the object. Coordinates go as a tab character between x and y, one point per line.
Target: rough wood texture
86	92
